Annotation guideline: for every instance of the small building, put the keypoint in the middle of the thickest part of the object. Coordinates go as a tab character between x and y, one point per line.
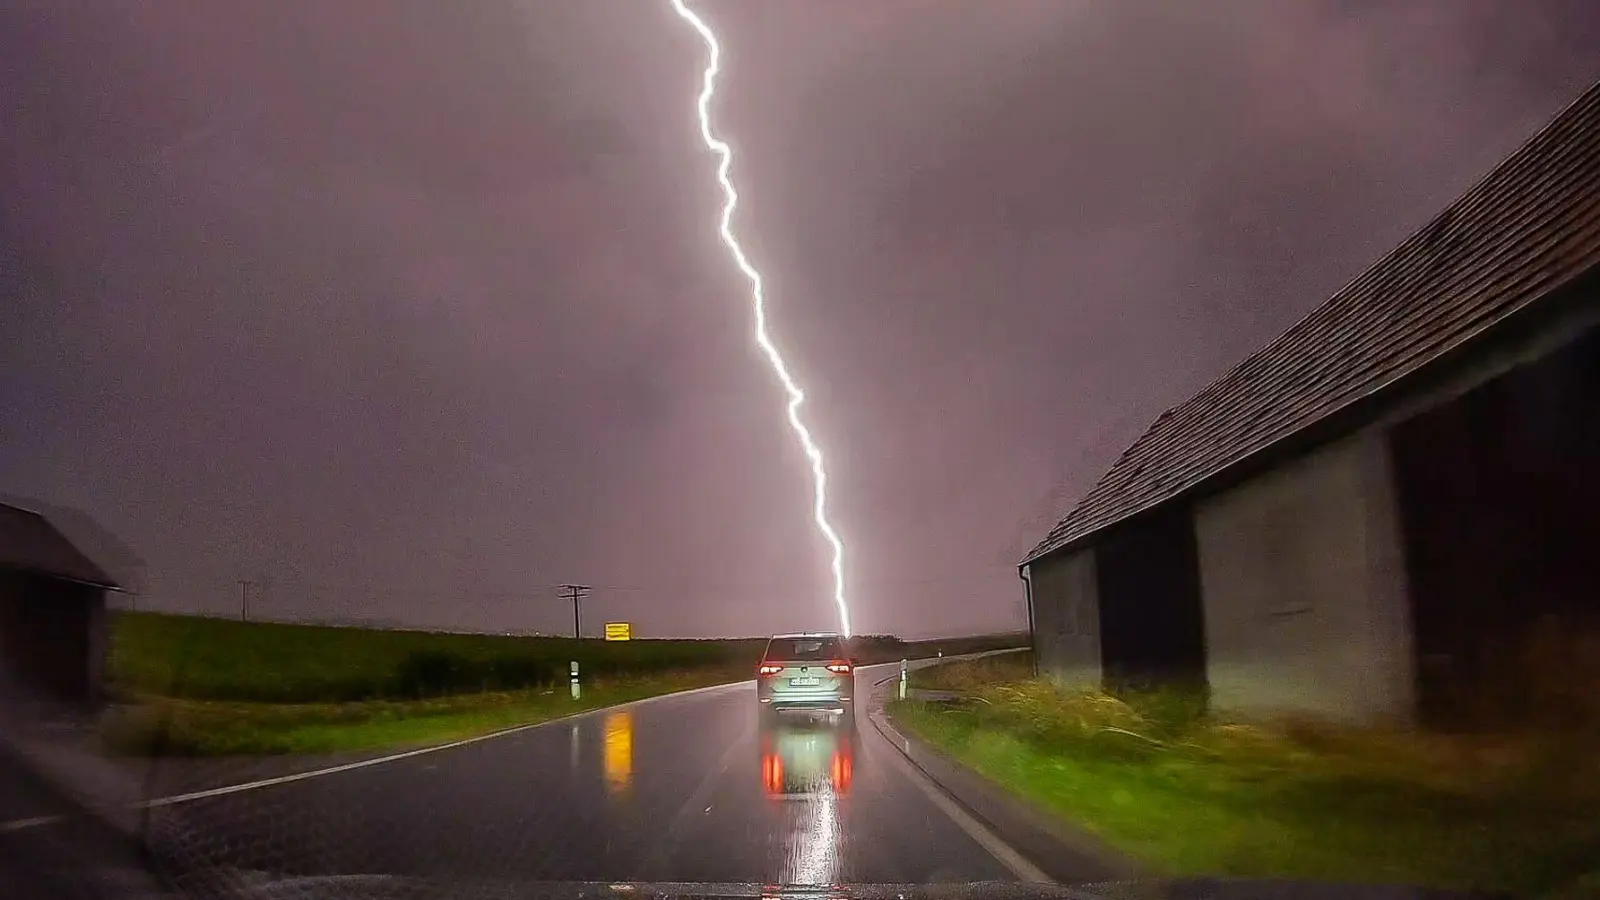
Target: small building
53	632
1390	512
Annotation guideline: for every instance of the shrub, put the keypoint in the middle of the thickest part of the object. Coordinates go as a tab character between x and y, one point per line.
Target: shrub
429	673
436	673
516	672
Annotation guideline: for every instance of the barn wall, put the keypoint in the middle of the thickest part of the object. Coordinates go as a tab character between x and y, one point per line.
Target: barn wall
1303	579
1066	611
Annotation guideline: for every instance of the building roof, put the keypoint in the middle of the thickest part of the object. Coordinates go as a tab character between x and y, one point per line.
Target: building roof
29	543
1531	226
105	548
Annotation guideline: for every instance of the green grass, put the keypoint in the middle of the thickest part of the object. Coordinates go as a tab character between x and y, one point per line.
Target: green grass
1190	795
169	727
219	659
202	686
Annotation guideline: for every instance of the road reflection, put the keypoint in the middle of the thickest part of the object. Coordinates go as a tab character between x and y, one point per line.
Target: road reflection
618	752
807	758
809	766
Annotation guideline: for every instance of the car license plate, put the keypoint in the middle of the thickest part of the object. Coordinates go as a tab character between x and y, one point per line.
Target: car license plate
805	682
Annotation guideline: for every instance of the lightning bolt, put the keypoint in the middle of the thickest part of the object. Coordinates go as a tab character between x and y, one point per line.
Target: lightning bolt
758	302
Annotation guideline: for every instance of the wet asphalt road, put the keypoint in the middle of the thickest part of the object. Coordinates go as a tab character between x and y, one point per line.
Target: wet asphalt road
683	788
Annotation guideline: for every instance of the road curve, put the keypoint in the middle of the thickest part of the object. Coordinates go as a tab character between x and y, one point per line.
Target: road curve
688	787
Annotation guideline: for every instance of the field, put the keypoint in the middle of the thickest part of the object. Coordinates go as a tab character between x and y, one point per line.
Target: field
175	727
219	659
203	686
1188	794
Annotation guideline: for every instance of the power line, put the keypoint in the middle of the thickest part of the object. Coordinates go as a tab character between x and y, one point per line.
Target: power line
244	599
576	593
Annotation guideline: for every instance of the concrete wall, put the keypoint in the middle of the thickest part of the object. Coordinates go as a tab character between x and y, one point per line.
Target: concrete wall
1066	618
1303	577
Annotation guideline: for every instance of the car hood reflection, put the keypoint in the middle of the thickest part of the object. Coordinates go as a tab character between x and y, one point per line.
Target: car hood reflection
807	758
384	887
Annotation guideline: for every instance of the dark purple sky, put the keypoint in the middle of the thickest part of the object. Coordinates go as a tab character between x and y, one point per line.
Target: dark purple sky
411	309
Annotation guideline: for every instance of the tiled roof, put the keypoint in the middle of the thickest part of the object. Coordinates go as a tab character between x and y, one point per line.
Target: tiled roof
1529	227
29	543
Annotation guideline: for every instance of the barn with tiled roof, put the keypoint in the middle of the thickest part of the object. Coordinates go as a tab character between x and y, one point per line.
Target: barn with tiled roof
1377	513
53	633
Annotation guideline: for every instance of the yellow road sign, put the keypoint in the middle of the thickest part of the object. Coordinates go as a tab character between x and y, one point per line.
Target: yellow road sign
619	631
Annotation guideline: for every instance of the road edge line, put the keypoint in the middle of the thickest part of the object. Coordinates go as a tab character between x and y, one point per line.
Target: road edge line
104	809
942	798
956	812
224	790
967	790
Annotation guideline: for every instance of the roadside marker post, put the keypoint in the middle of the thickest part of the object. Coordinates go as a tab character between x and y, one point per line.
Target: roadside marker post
577	690
902	679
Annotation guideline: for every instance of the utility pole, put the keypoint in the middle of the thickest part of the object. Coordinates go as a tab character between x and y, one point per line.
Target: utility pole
575	593
244	599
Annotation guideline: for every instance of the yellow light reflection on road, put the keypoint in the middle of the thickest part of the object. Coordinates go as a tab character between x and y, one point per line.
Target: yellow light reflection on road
619	751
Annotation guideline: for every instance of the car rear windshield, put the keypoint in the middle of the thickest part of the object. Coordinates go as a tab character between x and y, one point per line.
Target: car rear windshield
805	648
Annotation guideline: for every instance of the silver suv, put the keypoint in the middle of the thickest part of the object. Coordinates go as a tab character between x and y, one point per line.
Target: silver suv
807	671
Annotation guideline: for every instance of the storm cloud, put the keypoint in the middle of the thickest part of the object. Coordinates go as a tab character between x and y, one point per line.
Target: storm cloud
408	311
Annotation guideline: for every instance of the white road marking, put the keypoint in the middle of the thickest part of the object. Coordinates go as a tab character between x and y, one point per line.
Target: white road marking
980	833
988	840
19	824
962	819
362	764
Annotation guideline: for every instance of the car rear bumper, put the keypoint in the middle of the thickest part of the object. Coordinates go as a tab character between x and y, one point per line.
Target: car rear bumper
797	702
805	699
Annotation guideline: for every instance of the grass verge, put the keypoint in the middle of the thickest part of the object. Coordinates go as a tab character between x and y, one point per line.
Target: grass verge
1190	795
180	727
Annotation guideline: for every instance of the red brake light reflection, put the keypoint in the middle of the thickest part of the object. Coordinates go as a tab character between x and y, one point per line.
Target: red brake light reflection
842	773
772	773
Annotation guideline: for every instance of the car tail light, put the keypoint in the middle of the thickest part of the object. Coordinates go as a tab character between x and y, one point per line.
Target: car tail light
842	668
769	669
